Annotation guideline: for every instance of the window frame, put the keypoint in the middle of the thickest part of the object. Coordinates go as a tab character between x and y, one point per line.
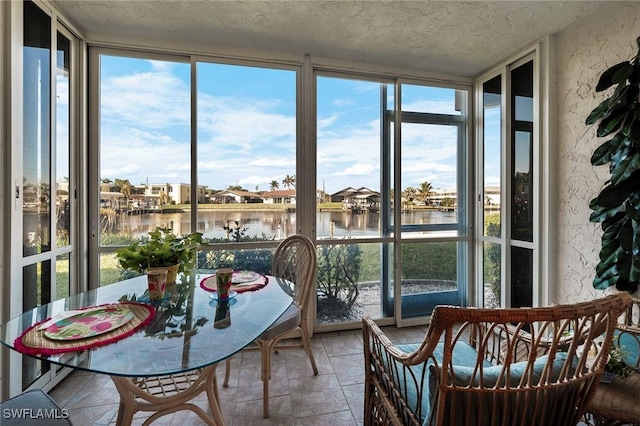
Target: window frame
542	192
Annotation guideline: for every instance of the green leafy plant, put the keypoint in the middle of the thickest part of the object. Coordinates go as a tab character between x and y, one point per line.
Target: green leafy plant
161	248
617	206
616	364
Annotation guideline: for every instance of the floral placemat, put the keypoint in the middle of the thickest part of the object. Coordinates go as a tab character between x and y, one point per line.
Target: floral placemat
241	281
34	340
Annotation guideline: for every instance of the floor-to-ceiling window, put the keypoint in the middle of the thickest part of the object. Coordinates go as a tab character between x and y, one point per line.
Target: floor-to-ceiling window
46	178
365	150
507	201
434	176
352	147
143	178
194	145
198	145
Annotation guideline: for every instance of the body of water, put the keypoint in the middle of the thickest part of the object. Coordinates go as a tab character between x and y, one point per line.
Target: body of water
275	223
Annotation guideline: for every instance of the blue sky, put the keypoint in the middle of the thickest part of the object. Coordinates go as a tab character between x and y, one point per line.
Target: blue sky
246	127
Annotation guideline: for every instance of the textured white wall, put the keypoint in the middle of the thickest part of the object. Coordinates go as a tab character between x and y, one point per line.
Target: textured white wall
584	51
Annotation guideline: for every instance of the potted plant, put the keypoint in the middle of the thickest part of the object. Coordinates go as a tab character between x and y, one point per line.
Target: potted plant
616	367
617	206
161	249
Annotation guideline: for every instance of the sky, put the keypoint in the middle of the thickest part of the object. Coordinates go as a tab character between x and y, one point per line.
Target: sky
246	127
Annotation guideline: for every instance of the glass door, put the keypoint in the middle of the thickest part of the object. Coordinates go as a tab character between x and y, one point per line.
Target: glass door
431	203
47	182
379	171
507	236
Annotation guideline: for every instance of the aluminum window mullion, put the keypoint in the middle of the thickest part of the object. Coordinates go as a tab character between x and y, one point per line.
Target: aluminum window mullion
193	90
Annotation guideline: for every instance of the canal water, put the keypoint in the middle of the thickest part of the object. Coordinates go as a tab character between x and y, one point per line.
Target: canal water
276	223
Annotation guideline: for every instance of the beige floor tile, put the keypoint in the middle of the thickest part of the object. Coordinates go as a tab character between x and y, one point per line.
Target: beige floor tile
342	344
341	418
349	369
96	415
297	397
317	395
355	398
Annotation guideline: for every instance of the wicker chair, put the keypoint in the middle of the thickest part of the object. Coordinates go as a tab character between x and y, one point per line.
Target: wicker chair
295	261
618	402
491	366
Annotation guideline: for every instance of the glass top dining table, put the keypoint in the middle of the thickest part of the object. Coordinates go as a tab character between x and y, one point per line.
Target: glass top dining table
182	335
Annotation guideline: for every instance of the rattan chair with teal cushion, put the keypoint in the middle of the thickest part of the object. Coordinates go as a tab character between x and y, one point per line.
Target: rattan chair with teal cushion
618	402
491	366
32	408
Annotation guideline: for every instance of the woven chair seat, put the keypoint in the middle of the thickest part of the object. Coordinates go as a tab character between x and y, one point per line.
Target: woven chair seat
619	400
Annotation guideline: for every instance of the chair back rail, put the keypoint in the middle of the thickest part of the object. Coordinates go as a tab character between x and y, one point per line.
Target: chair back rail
492	366
295	261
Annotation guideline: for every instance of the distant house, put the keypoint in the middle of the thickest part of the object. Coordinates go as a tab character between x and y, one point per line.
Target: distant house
439	195
235	197
179	193
280	196
343	194
111	200
492	195
361	199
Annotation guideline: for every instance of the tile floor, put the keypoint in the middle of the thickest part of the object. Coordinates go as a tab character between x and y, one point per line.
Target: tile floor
297	397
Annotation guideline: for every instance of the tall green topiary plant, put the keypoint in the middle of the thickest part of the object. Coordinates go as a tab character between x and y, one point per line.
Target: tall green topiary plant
617	206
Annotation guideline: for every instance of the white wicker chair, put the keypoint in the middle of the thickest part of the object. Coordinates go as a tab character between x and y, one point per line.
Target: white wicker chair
295	261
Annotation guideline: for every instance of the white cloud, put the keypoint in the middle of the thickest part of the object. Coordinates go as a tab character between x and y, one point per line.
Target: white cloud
357	169
341	103
154	100
435	107
250	139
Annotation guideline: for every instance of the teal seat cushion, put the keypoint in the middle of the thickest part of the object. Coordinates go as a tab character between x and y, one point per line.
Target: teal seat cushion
493	375
463	354
629	343
464	360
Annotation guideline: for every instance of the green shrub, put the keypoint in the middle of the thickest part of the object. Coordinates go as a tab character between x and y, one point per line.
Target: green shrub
338	273
492	255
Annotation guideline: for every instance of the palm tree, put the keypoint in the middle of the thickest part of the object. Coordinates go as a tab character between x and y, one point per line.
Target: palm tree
289	181
274	185
425	189
163	200
124	186
409	194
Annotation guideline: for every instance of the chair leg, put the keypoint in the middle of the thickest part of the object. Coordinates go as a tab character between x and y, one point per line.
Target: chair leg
306	342
265	356
227	372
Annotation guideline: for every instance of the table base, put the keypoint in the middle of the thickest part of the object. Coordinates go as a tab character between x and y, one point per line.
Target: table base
168	394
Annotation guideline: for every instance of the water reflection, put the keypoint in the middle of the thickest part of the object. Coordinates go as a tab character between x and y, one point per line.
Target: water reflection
278	224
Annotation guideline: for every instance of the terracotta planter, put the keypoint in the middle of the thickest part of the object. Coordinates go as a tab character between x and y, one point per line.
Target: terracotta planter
172	272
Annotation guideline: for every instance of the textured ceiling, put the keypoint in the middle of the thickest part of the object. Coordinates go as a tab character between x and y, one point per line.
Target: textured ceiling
462	38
